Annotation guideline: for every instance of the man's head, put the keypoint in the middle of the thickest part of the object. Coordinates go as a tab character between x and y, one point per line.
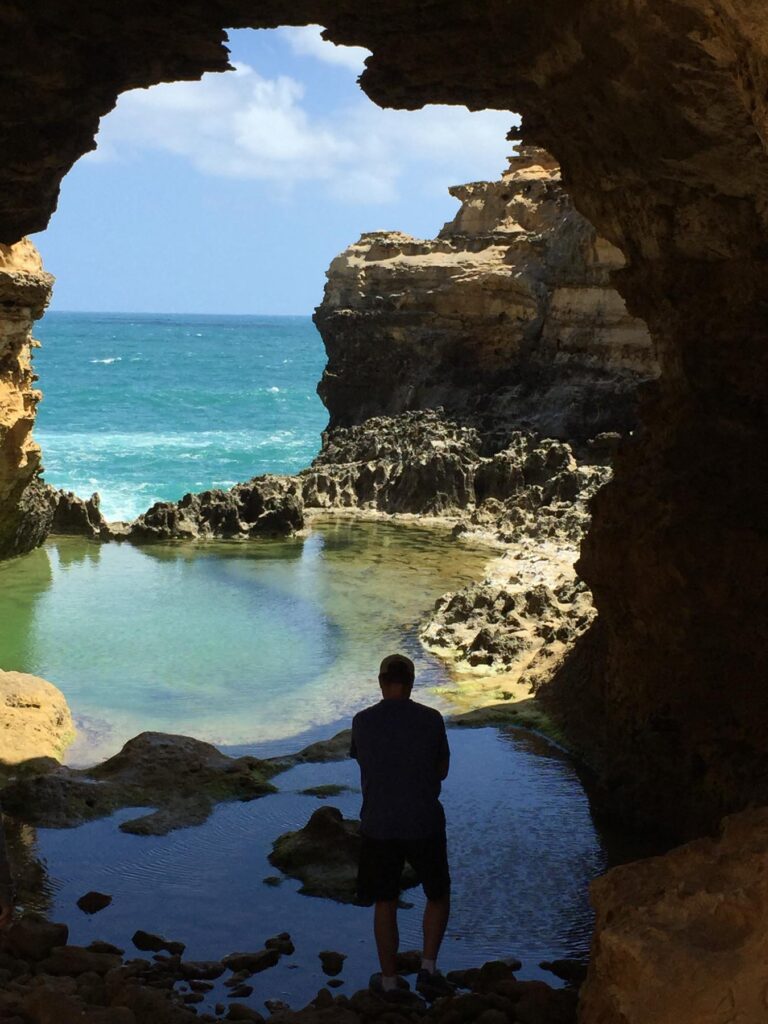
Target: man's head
396	675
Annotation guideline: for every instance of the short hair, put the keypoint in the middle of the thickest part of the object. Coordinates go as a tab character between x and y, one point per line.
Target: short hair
396	668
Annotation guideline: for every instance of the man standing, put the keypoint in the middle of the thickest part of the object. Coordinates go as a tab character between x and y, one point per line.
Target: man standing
403	753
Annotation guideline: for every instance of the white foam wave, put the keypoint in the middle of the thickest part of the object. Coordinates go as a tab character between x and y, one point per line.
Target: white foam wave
106	362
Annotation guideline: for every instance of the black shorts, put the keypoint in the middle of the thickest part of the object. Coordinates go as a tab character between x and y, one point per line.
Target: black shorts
382	862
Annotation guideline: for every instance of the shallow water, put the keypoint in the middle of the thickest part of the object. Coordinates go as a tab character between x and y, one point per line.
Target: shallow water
522	847
238	644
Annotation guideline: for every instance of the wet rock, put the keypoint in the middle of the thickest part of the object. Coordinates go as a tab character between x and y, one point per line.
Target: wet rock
324	855
99	946
180	776
150	943
269	506
334	982
241	991
33	938
92	902
334	749
282	943
573	972
239	1011
272	880
323	792
74	960
253	963
332	962
201	969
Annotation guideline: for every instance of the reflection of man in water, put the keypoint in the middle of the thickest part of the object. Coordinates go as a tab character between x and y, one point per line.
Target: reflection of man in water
6	882
403	753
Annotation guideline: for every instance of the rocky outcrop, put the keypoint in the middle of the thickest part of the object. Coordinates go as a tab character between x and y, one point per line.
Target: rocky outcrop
25	288
324	855
78	516
267	506
425	463
182	777
682	939
507	319
35	720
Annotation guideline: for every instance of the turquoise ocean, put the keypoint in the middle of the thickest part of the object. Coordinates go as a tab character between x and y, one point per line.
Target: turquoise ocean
146	407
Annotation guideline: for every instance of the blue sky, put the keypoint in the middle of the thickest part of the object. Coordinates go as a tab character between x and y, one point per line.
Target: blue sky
233	194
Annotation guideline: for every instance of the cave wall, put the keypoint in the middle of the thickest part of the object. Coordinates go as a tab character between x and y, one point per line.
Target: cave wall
508	319
657	111
24	291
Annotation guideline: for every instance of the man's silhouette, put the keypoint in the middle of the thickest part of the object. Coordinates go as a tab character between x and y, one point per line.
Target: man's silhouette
403	753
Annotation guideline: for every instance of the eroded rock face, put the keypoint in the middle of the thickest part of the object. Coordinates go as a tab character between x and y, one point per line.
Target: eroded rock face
35	720
267	506
507	318
25	288
681	939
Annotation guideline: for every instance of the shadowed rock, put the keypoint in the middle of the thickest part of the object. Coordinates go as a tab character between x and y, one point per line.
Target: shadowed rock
180	776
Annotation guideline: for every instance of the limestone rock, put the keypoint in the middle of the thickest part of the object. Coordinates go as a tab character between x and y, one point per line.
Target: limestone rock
25	289
682	939
35	720
265	506
181	776
508	317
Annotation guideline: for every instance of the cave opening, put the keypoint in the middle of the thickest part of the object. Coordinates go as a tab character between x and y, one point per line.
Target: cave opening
648	159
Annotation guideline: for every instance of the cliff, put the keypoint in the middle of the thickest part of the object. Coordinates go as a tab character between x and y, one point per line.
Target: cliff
507	319
24	292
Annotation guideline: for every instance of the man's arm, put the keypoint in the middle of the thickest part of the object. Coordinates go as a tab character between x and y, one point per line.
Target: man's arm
6	882
444	753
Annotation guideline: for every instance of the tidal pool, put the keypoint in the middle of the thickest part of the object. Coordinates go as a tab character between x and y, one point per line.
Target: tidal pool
522	848
242	645
264	647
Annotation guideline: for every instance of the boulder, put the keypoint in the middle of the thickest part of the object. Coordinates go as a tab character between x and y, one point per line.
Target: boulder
683	938
324	856
35	720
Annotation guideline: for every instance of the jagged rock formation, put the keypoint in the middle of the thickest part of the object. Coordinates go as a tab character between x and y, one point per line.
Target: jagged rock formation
507	318
25	288
35	720
77	516
267	506
681	939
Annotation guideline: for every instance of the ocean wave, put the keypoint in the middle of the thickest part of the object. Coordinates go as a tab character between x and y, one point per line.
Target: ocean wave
111	359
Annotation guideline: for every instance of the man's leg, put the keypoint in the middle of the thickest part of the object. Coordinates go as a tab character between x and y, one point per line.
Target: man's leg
436	913
387	937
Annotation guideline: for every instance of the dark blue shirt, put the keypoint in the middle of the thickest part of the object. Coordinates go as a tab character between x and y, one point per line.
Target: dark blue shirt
401	747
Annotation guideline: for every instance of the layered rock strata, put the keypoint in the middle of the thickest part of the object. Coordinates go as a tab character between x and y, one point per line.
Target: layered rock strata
25	514
507	319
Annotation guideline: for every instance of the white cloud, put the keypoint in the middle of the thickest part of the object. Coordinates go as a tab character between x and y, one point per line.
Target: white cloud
308	42
242	125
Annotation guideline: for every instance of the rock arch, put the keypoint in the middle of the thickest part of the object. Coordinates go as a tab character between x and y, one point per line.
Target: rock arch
657	111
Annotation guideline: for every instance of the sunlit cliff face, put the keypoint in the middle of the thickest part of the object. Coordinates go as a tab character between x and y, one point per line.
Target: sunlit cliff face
657	114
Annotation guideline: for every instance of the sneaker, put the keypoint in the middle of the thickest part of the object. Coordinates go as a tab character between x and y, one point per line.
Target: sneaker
433	986
401	994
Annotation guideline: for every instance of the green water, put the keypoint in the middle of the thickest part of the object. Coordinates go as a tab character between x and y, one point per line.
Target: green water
236	644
